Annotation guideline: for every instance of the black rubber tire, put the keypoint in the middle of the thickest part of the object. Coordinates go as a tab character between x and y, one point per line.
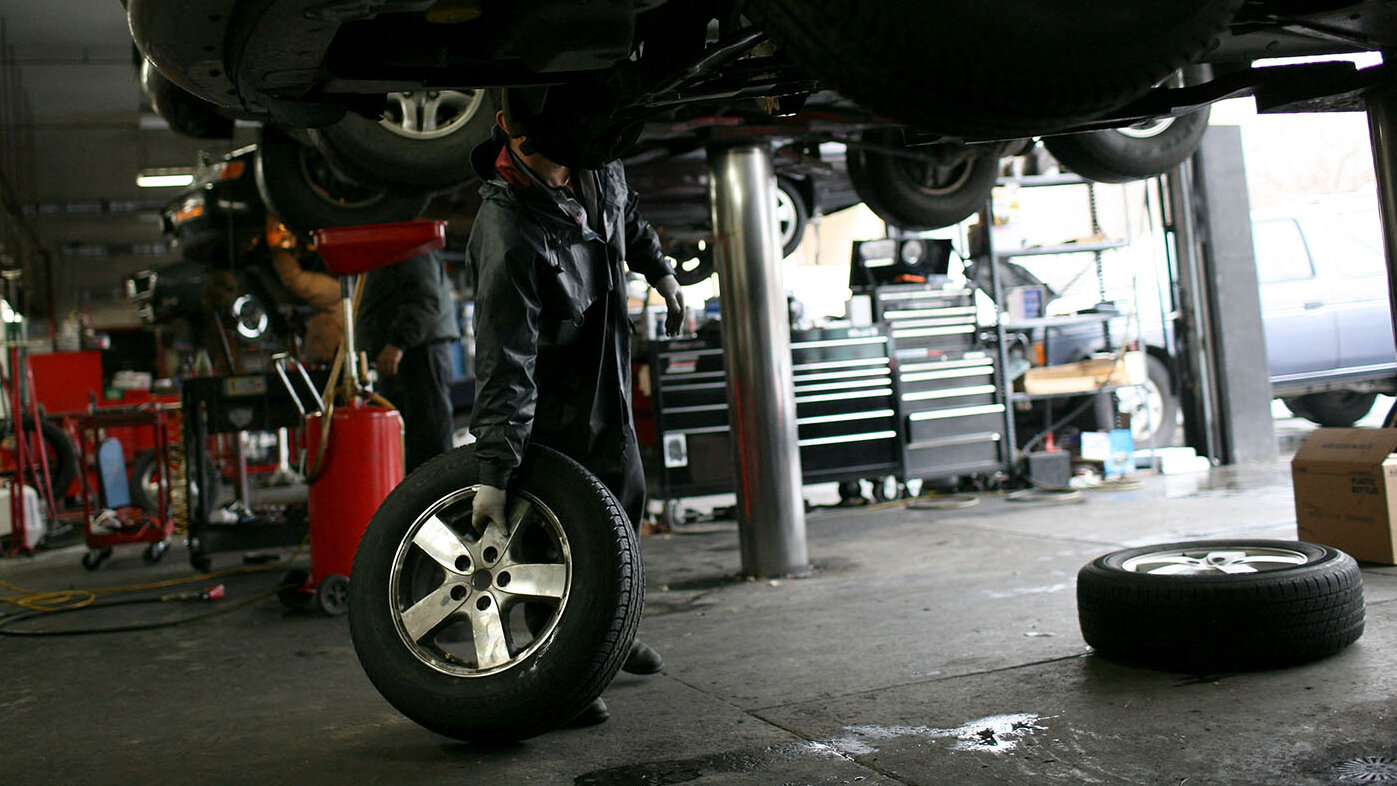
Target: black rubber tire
1332	408
541	686
367	152
1217	621
1118	156
1162	382
915	194
62	455
302	190
142	483
142	473
696	267
332	595
295	592
793	235
986	70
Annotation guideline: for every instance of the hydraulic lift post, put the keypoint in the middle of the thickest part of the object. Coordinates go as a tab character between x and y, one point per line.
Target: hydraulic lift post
757	349
1382	130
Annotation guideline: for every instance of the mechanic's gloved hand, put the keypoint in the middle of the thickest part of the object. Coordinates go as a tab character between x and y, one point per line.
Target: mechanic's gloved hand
668	287
488	507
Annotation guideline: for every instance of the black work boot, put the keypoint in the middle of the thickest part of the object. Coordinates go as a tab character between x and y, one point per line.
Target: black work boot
595	713
643	659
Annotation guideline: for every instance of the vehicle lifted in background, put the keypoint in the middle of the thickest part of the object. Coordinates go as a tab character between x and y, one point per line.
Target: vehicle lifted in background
388	94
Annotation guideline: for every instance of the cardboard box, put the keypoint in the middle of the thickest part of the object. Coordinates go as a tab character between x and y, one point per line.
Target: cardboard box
1346	491
1087	376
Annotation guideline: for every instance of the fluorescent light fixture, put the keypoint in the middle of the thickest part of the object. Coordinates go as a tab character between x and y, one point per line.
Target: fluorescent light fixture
165	177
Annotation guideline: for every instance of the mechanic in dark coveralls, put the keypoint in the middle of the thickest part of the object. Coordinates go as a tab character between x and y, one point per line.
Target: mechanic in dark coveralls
549	251
406	321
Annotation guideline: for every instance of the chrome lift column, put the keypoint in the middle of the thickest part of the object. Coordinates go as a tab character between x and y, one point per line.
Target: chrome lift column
1382	129
757	355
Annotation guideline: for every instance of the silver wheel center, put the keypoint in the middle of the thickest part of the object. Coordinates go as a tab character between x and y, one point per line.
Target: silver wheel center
1224	560
1147	129
470	603
429	114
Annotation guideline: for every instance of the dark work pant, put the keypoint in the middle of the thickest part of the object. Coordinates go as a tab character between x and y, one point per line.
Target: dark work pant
421	390
622	473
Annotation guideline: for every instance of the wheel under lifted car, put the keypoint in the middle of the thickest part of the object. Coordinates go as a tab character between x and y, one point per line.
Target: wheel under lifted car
391	90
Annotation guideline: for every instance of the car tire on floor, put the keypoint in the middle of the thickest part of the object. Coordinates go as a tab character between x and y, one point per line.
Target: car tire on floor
498	635
1223	605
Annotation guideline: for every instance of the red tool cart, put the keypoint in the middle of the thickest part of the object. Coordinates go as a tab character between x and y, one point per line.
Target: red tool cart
109	515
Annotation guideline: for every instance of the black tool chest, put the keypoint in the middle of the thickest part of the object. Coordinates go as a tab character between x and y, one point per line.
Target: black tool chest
951	402
846	410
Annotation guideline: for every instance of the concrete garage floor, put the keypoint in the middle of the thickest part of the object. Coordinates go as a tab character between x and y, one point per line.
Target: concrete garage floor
929	647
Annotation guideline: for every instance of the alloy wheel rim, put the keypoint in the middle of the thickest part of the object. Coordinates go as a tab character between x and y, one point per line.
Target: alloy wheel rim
1231	560
472	604
431	114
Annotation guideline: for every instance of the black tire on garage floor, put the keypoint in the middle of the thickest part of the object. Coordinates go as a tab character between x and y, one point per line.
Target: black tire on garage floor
424	141
1332	408
560	596
1189	607
62	455
304	192
1120	155
987	70
950	184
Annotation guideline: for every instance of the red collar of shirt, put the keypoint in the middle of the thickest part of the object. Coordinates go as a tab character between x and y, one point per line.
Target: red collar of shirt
505	168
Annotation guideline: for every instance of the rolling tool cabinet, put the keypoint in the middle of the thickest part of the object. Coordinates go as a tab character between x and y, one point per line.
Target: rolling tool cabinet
951	401
846	411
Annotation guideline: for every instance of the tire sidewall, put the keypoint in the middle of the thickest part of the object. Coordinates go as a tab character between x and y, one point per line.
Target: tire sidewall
365	151
1319	558
553	683
293	200
1110	156
880	179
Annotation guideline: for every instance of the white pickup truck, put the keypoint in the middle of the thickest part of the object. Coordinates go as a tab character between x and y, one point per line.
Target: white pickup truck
1324	301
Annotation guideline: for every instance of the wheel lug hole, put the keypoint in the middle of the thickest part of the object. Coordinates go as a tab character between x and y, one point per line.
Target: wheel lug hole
502	579
463	563
459	592
483	603
491	554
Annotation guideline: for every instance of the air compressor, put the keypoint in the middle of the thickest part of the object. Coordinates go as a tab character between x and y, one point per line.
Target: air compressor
354	449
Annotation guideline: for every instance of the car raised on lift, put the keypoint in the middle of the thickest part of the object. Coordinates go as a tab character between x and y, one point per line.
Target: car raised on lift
386	95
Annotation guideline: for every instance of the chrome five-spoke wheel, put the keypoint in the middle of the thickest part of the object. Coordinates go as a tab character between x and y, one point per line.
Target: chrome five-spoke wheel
471	603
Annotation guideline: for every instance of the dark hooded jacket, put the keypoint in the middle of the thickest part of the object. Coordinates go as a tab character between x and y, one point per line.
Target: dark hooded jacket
551	326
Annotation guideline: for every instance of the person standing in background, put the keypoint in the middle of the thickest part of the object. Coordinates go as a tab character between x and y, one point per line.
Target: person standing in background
406	321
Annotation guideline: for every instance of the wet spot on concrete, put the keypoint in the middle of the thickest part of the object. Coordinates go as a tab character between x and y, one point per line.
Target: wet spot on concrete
997	733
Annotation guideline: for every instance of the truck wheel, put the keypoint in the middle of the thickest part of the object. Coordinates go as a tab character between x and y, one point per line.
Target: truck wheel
502	634
1333	408
949	183
972	68
1120	155
1209	606
1152	407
